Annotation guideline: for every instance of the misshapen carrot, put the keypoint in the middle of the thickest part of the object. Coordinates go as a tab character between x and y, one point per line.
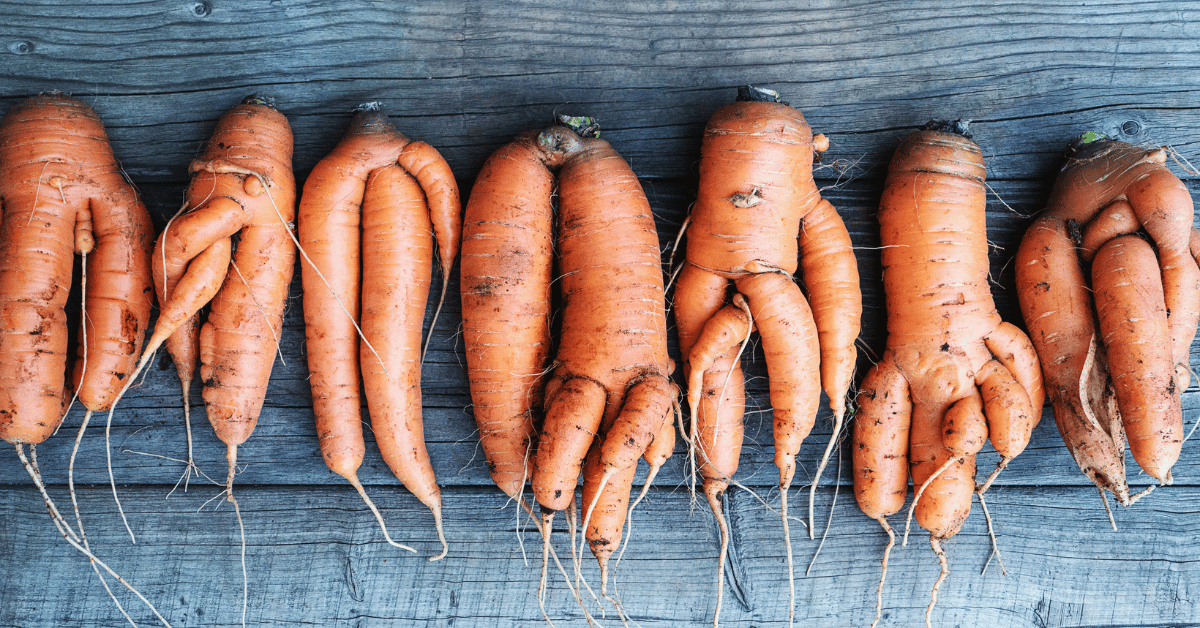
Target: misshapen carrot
507	261
398	257
612	365
248	159
613	338
379	187
945	342
1105	191
63	193
241	185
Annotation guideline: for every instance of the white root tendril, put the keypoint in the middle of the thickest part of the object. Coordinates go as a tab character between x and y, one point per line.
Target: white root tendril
987	516
887	551
936	544
69	534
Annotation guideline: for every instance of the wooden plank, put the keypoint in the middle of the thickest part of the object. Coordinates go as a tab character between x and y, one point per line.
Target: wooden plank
466	76
315	556
150	420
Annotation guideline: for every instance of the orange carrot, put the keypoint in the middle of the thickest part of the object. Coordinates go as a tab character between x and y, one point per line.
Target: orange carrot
367	173
614	332
397	255
505	277
241	184
945	342
612	365
1125	375
759	218
62	192
716	400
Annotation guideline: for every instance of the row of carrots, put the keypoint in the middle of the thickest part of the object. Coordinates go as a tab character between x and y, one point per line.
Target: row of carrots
1107	278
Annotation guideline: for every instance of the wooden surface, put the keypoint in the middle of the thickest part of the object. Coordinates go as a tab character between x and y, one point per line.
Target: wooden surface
466	76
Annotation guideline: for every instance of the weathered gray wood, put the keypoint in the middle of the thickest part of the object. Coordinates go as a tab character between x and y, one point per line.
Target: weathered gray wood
315	556
465	76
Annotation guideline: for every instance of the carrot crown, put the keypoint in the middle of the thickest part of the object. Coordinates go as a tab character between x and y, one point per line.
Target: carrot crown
750	93
581	125
959	127
1091	139
255	99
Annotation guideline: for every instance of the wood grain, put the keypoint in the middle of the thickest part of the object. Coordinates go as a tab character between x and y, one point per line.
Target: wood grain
466	76
315	557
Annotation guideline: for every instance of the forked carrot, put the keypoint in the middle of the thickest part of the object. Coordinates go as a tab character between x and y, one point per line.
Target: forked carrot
375	203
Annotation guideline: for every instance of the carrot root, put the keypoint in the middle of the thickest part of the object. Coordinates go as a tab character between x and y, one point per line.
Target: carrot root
547	525
187	425
437	522
587	516
785	481
936	544
231	454
1000	466
67	533
713	492
1104	500
112	481
838	419
837	483
378	516
987	516
887	551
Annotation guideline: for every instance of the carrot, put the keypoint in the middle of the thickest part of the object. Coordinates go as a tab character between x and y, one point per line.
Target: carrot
950	364
62	192
758	218
505	280
880	453
612	364
241	184
1125	375
1132	321
364	187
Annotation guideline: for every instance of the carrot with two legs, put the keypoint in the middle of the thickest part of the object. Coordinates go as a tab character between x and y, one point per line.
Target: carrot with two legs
375	203
63	193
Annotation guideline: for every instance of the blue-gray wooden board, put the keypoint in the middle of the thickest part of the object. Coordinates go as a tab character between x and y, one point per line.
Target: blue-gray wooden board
465	77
